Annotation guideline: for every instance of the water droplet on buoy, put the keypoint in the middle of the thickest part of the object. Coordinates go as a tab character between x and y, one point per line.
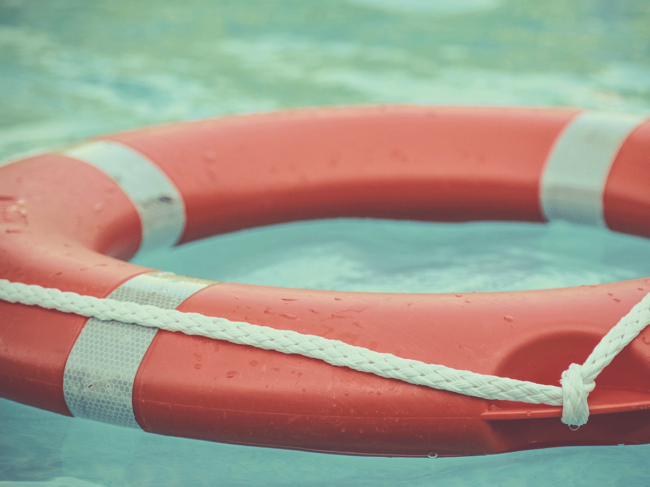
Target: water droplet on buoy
231	374
432	455
508	318
342	430
458	295
646	340
528	414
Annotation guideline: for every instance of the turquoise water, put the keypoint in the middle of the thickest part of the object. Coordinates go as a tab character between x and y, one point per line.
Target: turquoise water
73	69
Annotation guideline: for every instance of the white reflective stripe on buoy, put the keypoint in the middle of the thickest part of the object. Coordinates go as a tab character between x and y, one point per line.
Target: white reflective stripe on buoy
157	201
102	365
575	175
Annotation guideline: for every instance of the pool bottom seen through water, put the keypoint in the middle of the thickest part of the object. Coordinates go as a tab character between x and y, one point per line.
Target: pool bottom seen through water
351	255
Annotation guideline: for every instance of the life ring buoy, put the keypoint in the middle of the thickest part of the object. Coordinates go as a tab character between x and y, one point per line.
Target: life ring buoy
72	219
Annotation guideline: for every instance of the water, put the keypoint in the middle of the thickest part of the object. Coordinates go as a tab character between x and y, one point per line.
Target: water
74	69
71	69
400	256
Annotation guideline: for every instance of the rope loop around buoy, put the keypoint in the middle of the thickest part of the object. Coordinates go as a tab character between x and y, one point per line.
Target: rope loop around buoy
576	382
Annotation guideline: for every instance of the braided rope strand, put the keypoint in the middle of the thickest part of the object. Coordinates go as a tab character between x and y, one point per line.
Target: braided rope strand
576	382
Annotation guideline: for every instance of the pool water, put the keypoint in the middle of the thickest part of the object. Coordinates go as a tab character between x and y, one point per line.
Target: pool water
75	69
72	69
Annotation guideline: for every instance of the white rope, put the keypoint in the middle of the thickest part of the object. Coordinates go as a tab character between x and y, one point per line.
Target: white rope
577	382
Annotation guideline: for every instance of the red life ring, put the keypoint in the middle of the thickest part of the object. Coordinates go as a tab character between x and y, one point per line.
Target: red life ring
71	220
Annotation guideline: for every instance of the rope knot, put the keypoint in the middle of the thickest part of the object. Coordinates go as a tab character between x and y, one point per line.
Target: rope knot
575	390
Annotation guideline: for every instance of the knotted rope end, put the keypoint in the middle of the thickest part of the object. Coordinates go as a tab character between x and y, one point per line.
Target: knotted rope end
575	390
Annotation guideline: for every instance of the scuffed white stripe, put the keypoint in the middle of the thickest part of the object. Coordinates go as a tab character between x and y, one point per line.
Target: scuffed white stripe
157	201
576	172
